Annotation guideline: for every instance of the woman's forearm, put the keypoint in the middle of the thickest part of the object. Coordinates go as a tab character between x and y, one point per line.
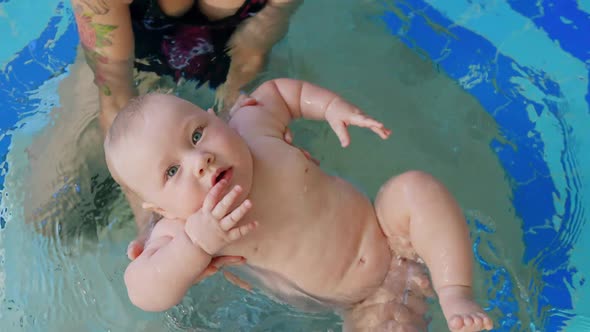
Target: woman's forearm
267	27
104	27
115	87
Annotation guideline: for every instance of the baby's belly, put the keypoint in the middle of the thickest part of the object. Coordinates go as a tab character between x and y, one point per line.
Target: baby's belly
364	275
327	242
368	269
337	275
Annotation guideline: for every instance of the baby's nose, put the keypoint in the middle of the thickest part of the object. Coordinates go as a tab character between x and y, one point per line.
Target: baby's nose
203	162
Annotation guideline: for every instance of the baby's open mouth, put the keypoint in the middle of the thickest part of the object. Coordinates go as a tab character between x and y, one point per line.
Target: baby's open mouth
223	174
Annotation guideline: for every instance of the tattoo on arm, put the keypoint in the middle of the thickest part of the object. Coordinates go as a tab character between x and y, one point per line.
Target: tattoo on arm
94	37
98	7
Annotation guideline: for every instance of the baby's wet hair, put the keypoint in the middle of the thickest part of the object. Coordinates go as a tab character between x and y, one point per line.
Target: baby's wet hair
124	123
127	116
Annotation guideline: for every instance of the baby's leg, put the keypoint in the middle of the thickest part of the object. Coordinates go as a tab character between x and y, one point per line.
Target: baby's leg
416	209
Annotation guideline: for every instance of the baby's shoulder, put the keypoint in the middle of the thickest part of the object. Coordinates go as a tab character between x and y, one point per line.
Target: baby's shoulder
253	122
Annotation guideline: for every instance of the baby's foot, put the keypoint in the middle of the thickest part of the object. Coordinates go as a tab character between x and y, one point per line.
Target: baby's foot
461	311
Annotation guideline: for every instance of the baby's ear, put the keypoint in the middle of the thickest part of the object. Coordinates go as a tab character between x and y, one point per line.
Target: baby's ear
156	209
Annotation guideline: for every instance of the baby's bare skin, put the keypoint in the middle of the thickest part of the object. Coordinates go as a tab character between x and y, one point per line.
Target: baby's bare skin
315	230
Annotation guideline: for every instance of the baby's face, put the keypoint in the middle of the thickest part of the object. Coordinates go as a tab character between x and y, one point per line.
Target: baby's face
177	153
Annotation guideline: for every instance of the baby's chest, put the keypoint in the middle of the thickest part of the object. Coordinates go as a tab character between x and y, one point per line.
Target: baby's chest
286	180
275	160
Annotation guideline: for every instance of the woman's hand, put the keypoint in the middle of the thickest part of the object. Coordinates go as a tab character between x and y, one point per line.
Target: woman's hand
217	263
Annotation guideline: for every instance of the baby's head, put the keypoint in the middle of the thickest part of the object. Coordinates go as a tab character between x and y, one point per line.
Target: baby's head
170	153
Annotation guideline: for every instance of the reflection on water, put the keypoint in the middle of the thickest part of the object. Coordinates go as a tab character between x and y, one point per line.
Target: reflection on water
72	279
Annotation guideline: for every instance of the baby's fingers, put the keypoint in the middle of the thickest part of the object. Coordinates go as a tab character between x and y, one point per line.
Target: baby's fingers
222	207
362	120
237	281
339	128
240	231
221	261
235	216
134	249
382	132
288	136
214	195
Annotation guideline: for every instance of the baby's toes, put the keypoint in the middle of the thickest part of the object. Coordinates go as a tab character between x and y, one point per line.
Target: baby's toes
487	323
477	322
457	322
470	322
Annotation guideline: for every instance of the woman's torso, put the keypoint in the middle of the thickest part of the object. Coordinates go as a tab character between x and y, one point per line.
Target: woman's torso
190	46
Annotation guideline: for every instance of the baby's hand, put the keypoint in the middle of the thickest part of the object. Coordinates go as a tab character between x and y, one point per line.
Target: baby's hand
341	114
214	225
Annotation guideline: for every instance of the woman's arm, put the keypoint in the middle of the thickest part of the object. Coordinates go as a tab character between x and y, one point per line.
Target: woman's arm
250	44
107	39
106	36
267	27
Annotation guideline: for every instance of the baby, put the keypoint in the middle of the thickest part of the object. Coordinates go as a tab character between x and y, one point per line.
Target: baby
239	189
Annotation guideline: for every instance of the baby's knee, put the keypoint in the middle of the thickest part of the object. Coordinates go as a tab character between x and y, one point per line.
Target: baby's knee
407	183
414	179
404	193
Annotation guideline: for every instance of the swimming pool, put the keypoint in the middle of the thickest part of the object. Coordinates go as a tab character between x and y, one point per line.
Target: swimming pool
489	96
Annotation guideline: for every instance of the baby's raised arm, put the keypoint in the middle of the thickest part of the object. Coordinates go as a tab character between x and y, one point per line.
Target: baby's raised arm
291	99
177	253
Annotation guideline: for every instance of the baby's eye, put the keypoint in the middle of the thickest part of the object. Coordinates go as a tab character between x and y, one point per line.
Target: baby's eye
197	135
170	172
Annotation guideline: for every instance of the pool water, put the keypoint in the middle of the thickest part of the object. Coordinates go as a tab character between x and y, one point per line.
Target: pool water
491	97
